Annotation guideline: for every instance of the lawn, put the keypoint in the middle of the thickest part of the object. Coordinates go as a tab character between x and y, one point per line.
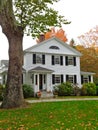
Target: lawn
69	115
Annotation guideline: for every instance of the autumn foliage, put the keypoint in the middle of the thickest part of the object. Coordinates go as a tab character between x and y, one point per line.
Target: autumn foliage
53	33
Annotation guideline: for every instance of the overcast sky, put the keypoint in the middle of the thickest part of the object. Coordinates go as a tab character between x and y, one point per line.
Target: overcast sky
81	13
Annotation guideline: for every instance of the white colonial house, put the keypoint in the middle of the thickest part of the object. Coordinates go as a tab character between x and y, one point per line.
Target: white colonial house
49	63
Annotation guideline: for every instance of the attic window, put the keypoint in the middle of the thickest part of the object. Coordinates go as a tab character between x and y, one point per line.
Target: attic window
54	47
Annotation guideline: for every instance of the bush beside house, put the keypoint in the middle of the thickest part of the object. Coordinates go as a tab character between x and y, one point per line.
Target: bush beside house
28	91
89	89
68	89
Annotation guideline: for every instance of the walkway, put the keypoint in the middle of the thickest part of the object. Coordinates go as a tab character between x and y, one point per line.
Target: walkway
59	100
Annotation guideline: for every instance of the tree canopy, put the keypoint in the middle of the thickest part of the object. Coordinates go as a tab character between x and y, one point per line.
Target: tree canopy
37	16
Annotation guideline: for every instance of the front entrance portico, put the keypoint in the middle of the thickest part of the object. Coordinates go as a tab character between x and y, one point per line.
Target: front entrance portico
41	78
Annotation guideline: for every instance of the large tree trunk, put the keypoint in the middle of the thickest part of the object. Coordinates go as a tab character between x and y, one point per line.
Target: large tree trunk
13	96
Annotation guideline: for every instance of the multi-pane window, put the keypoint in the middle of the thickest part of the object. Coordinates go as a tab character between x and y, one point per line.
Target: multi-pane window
38	58
85	79
57	78
57	59
70	60
71	78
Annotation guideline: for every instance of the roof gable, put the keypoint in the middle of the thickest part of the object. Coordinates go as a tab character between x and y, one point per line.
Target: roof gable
53	45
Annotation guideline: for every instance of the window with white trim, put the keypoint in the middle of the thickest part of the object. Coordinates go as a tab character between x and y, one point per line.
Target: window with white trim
57	78
38	58
70	60
71	78
85	79
57	59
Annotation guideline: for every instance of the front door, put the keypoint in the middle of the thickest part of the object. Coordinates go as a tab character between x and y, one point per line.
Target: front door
40	81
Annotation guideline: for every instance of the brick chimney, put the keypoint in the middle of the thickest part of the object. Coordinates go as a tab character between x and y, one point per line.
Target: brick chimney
41	38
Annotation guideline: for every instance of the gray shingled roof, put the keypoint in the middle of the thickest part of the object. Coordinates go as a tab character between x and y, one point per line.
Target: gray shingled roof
40	69
5	62
88	73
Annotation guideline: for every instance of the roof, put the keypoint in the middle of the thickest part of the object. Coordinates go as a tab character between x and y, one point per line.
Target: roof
58	40
40	69
4	62
86	73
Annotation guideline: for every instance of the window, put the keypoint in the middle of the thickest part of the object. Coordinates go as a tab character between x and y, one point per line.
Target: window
38	58
54	47
36	79
85	79
71	78
70	60
57	79
57	60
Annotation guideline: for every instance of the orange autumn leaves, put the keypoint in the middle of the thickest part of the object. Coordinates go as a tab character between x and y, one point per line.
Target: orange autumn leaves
53	33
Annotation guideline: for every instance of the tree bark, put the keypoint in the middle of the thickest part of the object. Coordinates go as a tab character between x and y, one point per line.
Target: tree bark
13	96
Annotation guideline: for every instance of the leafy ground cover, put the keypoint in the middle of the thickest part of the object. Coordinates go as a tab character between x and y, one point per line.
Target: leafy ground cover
70	115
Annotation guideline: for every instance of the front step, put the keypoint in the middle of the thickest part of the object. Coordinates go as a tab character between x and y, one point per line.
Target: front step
45	94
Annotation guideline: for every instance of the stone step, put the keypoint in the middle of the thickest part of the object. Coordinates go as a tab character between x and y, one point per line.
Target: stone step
45	94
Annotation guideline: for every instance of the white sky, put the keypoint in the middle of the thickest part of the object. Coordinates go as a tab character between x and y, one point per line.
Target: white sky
81	13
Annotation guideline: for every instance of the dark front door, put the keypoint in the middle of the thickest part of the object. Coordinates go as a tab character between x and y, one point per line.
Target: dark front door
40	81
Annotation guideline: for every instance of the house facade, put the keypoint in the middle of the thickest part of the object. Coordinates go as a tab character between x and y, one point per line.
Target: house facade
50	63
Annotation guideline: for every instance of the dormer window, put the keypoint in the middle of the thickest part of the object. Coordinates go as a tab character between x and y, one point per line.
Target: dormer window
54	47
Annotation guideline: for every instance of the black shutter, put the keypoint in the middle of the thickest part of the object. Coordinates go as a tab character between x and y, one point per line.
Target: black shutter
61	78
61	60
81	79
43	59
66	60
53	79
75	79
34	58
74	59
52	60
89	78
67	78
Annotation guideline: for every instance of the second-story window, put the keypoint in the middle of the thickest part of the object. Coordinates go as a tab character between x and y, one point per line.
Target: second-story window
70	60
56	59
38	59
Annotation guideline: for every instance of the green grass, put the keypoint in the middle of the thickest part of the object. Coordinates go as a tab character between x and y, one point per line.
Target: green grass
69	115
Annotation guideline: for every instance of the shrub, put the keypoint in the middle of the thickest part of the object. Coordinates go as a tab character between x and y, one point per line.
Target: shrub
97	90
1	92
88	89
27	91
65	89
76	90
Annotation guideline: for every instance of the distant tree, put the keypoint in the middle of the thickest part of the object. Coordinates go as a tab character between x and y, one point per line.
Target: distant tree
90	38
89	60
31	17
60	33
